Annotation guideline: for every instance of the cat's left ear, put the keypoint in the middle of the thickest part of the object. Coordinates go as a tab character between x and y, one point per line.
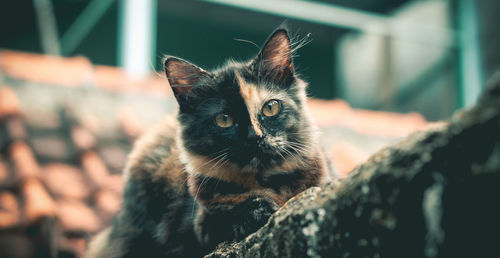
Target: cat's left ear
183	76
276	56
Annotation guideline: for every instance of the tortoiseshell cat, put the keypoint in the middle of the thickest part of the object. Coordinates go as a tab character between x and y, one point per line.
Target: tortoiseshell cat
243	146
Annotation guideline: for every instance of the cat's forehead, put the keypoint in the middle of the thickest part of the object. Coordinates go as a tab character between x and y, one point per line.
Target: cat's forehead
241	81
252	93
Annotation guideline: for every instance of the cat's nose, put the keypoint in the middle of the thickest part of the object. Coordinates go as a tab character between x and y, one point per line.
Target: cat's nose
253	136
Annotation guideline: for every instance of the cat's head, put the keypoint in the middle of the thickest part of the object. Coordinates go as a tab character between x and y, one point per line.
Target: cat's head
251	115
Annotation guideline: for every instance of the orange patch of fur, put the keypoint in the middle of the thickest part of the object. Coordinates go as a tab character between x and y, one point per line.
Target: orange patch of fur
254	98
220	170
235	199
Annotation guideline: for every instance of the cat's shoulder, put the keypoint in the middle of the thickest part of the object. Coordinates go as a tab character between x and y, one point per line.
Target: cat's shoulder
156	147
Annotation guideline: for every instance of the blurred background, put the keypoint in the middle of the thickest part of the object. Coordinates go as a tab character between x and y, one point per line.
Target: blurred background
80	80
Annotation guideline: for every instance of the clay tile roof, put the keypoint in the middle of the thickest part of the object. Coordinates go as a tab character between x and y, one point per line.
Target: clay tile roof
76	72
9	210
25	164
9	103
95	168
66	181
108	201
77	216
82	138
114	79
388	124
73	71
37	201
53	172
346	156
4	173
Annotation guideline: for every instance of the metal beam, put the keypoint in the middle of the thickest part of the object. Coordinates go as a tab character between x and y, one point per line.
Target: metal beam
470	70
337	16
137	38
47	26
83	24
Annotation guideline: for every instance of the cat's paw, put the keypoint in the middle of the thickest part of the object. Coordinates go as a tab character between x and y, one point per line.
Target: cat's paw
223	223
261	208
256	212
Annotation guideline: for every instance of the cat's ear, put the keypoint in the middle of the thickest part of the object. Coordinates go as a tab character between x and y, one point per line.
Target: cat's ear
183	77
276	55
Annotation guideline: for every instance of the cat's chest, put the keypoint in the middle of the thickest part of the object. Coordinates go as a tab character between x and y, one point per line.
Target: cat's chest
279	185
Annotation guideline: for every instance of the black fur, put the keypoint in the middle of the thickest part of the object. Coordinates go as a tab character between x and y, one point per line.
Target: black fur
220	223
144	226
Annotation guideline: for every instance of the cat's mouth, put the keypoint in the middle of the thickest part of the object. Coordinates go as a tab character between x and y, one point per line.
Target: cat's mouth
257	158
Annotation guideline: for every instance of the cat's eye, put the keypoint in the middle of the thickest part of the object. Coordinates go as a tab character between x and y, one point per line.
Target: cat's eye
224	120
271	108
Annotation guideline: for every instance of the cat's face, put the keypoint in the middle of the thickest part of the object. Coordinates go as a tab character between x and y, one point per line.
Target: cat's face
250	115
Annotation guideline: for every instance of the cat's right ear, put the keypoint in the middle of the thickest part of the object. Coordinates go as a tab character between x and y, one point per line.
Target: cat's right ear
183	77
275	57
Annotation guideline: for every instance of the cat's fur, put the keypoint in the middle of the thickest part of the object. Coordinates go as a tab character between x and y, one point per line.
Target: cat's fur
193	184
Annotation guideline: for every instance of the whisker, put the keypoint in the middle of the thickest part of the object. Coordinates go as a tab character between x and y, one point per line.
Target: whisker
224	162
301	148
220	157
194	171
248	41
296	154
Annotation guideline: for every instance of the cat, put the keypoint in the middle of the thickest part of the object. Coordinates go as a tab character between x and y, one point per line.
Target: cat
243	144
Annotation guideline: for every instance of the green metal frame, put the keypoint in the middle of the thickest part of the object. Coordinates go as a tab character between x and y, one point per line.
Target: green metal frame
47	25
342	17
470	63
83	24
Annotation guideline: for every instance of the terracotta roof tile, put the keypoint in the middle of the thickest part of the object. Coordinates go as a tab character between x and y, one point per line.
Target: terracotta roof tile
90	122
75	71
37	201
11	129
108	202
95	168
345	157
9	210
51	147
328	112
24	161
115	183
4	173
114	79
15	128
381	123
9	103
82	138
114	156
66	181
387	123
130	125
76	216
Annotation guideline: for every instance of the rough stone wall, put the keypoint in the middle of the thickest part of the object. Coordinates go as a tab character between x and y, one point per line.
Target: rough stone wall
434	194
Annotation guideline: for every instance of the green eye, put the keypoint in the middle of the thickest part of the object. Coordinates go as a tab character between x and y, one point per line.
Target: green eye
224	120
271	108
